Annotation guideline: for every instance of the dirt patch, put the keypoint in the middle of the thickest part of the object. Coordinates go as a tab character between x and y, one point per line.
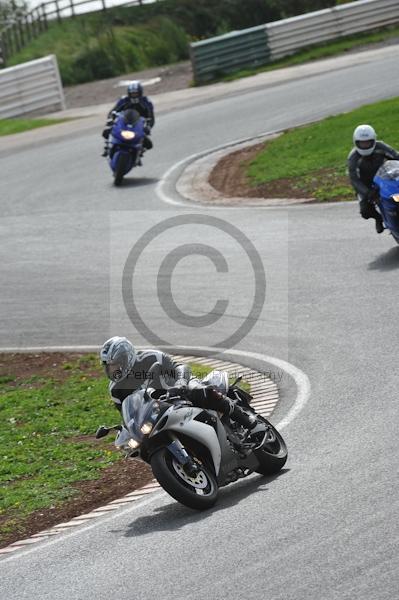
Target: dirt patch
54	365
229	177
116	480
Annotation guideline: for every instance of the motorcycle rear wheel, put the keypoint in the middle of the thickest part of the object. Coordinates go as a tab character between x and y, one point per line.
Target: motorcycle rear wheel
273	455
120	170
199	492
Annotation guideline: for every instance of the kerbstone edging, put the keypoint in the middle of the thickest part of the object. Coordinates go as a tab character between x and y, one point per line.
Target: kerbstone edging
265	397
193	184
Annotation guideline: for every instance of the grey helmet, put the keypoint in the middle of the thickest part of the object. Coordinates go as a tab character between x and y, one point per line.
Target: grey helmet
117	356
135	91
364	138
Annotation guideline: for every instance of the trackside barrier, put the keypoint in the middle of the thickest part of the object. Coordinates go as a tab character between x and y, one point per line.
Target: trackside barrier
289	35
33	87
231	52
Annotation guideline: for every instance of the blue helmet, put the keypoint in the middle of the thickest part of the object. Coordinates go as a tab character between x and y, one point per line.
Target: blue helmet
135	91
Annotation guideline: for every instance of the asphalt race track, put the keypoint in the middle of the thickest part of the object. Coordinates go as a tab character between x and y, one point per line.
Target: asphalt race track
74	250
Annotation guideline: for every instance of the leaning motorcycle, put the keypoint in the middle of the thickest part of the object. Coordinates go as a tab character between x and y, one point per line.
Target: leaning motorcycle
126	145
386	181
194	451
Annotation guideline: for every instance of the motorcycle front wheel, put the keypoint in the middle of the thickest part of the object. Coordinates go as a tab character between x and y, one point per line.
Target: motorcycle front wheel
273	454
199	492
121	168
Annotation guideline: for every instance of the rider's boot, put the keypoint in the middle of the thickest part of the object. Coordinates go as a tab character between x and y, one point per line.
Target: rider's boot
379	225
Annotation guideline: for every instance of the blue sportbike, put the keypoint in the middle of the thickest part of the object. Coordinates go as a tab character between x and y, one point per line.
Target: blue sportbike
386	181
126	143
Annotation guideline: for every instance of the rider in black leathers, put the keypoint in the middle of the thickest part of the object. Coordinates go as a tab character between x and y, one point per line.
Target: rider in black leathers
128	369
364	160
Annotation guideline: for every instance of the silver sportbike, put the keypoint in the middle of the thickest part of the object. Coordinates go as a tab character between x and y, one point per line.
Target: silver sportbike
194	451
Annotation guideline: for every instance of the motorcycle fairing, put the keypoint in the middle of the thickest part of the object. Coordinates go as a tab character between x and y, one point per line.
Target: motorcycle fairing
129	148
387	181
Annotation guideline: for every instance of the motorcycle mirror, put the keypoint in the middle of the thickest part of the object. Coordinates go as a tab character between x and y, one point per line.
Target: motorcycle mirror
102	432
237	380
153	370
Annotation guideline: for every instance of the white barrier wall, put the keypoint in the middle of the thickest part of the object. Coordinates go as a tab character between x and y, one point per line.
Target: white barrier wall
289	35
31	88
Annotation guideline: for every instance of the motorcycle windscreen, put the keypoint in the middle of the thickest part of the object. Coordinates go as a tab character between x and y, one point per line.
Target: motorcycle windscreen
136	410
218	379
387	179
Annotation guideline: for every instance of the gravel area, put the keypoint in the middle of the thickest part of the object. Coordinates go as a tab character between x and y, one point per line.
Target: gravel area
172	77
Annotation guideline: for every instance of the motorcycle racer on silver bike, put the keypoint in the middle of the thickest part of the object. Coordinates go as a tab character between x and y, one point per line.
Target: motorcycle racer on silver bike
128	369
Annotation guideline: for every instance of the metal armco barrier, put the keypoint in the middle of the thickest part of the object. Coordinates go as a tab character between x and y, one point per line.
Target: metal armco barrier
231	52
33	87
289	35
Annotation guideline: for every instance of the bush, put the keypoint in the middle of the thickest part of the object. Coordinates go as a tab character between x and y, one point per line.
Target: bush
93	49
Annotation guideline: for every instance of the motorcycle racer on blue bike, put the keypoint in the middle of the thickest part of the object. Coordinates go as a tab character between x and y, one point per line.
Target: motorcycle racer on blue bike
364	160
135	99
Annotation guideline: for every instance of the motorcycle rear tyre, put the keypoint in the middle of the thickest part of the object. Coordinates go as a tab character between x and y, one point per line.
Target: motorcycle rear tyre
180	490
272	457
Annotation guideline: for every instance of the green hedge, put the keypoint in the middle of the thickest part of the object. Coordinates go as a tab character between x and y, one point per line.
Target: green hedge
91	49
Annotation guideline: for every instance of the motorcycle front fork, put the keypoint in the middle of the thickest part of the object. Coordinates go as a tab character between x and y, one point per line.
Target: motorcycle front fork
177	449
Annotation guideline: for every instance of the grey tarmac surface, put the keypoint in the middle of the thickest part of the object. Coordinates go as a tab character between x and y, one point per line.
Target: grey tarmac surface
326	528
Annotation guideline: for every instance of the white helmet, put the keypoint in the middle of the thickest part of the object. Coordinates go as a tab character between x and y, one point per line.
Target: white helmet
118	356
364	138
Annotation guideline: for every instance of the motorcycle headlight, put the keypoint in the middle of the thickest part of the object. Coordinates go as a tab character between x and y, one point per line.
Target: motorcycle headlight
127	135
146	428
133	444
395	197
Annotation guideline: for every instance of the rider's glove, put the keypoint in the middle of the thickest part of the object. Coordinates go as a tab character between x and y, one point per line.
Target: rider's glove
176	391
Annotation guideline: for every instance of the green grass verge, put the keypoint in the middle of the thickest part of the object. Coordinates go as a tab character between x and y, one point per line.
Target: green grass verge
319	51
312	159
10	126
43	448
89	48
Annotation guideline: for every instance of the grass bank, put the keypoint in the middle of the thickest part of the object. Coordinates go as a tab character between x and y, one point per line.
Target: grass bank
89	49
311	160
50	408
10	126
